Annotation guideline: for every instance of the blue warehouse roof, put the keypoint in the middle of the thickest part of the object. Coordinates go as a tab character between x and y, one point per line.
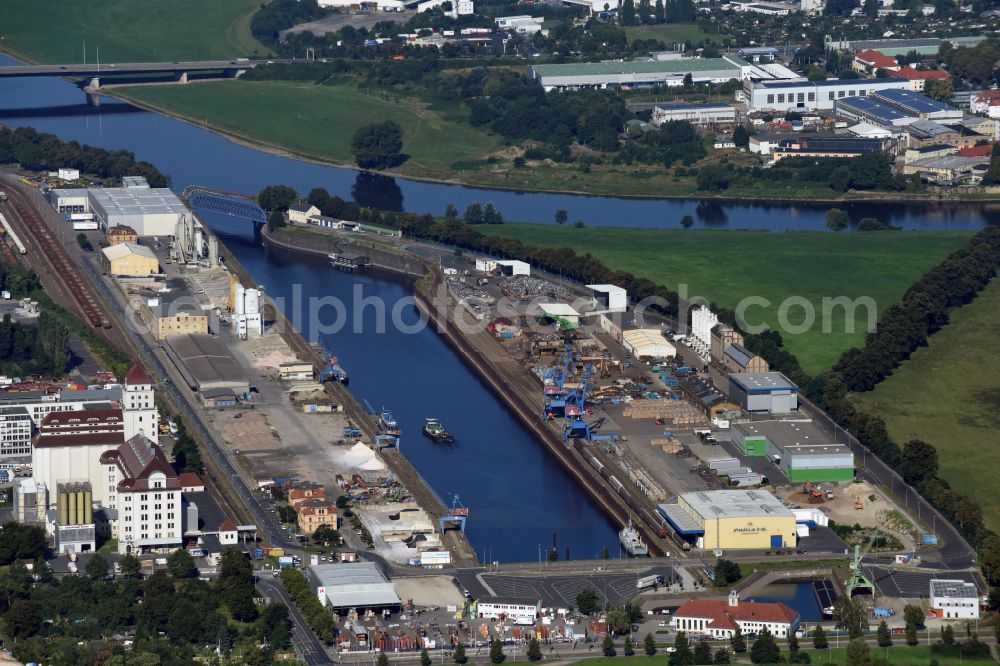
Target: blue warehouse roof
911	101
870	107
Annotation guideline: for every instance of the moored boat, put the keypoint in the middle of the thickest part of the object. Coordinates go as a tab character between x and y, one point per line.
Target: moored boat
436	431
631	541
388	423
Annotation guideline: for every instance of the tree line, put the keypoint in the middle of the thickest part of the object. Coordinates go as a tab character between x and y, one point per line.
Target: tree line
41	348
902	329
46	152
70	619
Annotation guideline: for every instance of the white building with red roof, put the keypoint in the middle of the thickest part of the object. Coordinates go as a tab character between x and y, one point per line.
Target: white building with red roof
918	78
986	103
719	618
870	61
139	405
147	496
68	448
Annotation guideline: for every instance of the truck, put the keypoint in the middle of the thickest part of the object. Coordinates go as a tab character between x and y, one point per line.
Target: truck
648	581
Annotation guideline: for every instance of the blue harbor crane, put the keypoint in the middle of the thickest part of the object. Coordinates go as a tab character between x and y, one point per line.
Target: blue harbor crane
457	515
576	427
555	407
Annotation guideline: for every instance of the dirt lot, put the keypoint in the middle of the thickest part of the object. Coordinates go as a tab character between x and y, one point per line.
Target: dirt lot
335	22
428	590
842	507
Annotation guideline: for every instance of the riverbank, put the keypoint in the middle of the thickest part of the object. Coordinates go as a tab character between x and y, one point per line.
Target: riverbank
471	159
509	381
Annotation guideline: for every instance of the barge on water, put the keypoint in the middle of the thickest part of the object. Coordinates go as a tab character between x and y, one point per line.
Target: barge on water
436	431
349	261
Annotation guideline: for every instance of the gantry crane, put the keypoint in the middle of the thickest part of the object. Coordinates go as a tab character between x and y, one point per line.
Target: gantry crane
555	406
576	427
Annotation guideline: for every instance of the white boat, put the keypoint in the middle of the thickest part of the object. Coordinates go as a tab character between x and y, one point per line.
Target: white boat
631	541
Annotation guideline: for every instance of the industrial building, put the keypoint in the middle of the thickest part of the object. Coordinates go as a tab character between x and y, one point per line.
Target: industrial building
72	200
827	147
954	600
797	447
565	316
763	392
129	260
868	109
355	585
206	364
780	96
509	608
703	320
708	113
703	394
638	73
122	234
925	46
247	307
647	343
732	519
608	298
721	337
918	105
737	358
513	267
150	211
140	474
720	618
921	133
175	316
15	432
949	169
69	445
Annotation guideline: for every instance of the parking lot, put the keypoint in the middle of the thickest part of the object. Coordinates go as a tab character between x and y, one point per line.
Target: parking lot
914	584
561	591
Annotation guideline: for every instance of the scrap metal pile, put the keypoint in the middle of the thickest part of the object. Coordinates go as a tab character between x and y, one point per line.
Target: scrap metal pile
525	288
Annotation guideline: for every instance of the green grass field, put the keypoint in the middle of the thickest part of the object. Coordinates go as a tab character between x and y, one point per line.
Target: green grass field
319	121
727	266
918	655
128	30
947	394
668	33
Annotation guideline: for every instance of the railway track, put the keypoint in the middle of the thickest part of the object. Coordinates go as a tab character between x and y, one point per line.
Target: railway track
46	248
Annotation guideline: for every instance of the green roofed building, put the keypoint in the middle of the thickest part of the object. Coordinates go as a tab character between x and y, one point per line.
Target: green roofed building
797	447
639	73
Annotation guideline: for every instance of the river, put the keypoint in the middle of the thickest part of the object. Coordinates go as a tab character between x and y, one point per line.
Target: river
519	498
191	155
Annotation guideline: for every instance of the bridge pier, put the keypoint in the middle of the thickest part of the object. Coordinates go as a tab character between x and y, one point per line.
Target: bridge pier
93	99
183	78
93	84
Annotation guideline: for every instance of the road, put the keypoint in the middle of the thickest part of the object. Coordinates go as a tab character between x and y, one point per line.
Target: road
97	69
304	641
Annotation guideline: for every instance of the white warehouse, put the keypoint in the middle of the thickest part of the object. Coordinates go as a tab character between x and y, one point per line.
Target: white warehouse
608	297
812	95
954	600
